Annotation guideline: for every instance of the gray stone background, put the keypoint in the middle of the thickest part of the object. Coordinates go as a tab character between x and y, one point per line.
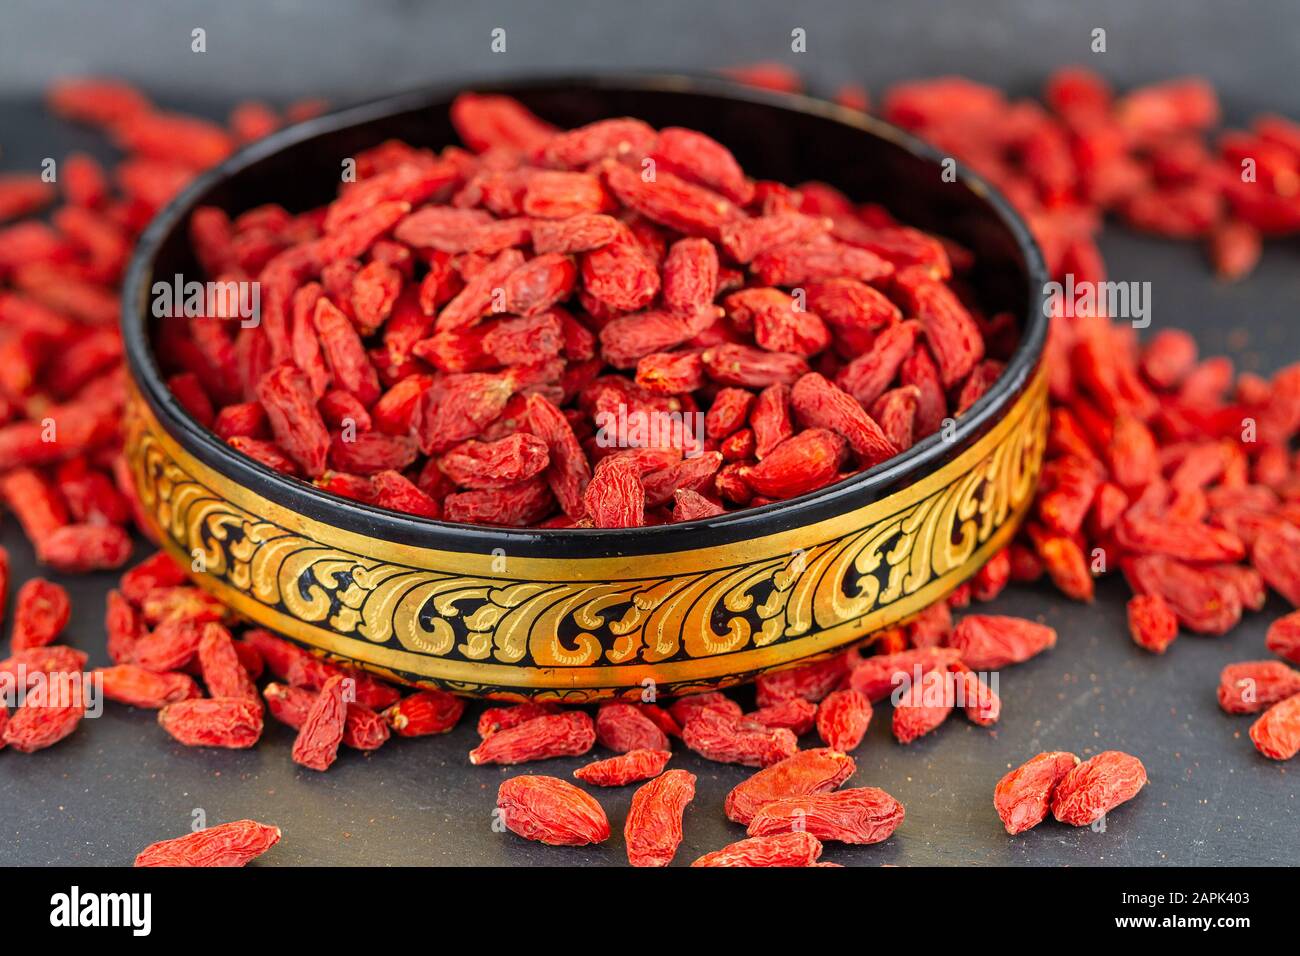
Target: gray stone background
119	783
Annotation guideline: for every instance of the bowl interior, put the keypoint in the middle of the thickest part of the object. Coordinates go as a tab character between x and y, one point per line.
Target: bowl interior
774	136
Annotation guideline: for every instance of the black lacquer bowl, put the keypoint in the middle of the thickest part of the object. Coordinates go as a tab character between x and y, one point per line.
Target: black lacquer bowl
586	614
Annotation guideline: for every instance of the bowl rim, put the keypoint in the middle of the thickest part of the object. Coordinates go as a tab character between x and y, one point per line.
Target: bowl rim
751	522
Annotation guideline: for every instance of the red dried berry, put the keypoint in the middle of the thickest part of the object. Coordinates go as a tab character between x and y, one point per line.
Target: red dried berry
802	774
980	704
989	642
653	830
922	706
1276	734
41	723
551	811
859	815
1252	686
425	712
624	769
1024	796
503	718
623	727
782	849
809	681
290	408
875	678
227	844
317	744
233	722
1151	622
842	719
719	736
1095	787
795	714
40	614
1284	637
552	735
223	673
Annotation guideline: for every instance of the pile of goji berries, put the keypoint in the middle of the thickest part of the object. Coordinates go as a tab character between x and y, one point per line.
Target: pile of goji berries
1171	469
61	373
380	321
478	335
1175	471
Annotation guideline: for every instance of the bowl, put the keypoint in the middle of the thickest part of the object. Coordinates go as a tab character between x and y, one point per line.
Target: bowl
577	615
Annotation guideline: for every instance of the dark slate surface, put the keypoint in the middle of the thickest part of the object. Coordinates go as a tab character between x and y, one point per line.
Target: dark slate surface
120	783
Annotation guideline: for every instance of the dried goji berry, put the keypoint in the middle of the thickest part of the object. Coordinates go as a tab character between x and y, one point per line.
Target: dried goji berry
868	375
1276	556
801	463
989	642
858	815
291	411
623	727
169	647
227	844
744	239
922	706
38	724
1063	560
131	684
626	768
1095	787
425	712
735	364
1284	637
307	670
552	735
781	849
931	627
317	743
223	674
653	830
809	681
77	548
686	708
1024	796
977	700
551	811
234	722
842	719
1276	734
1201	602
950	333
22	667
40	614
725	738
363	729
1252	686
517	505
615	497
124	627
795	714
1151	622
819	404
876	677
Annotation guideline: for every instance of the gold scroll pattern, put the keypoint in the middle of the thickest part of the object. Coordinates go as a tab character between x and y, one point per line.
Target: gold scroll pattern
841	587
